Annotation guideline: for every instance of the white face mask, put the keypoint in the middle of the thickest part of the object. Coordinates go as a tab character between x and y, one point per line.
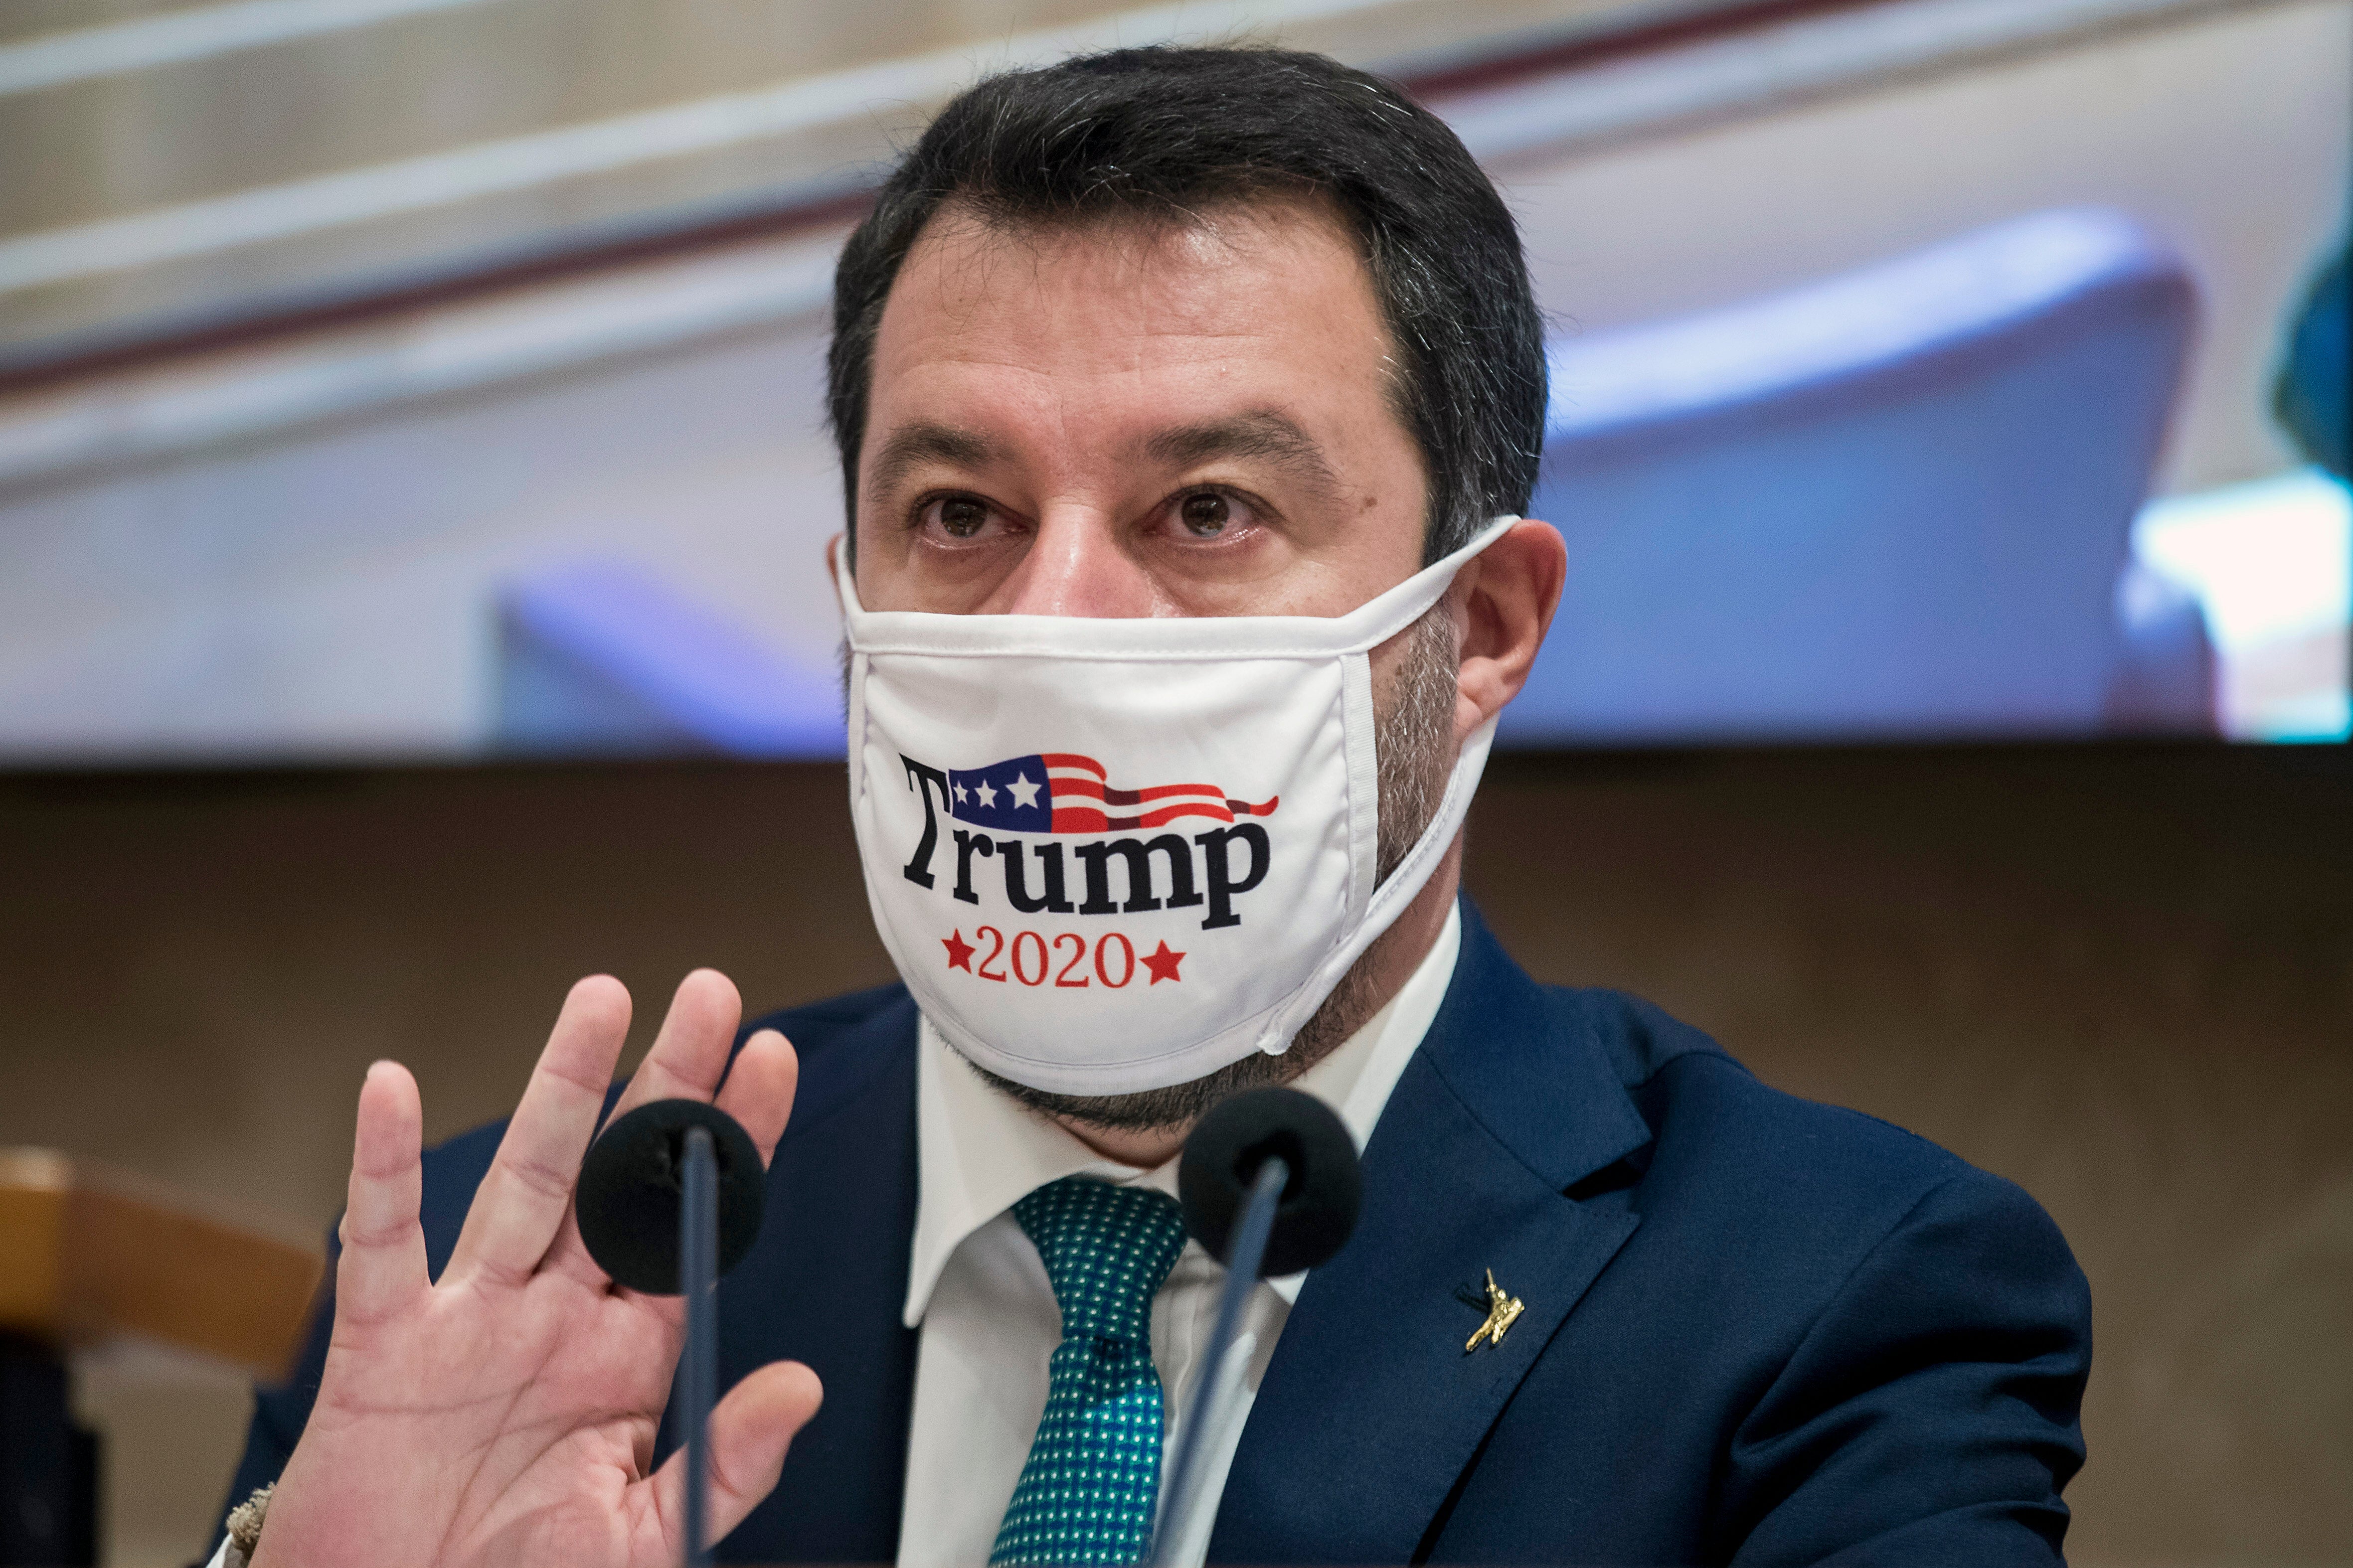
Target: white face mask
1110	855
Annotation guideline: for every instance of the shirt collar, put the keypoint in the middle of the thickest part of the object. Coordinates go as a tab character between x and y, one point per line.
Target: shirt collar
978	1153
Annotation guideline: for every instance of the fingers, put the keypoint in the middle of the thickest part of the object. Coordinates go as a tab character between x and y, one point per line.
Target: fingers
759	1092
688	1057
750	1432
521	1206
690	1051
383	1264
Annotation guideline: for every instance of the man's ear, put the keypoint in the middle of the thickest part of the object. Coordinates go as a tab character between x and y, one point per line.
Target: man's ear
1503	601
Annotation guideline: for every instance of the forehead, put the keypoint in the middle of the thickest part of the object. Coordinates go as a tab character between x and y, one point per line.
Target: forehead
1244	300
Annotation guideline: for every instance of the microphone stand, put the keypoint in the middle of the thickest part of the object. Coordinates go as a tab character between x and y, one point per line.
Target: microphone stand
698	1281
1241	1274
683	1162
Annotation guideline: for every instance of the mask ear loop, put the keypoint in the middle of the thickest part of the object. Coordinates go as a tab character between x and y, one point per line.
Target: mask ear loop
1383	617
1390	900
1378	909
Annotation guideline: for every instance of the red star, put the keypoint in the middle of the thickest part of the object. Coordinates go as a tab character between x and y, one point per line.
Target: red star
960	951
1164	964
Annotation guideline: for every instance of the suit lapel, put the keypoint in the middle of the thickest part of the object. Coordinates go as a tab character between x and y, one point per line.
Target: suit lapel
1371	1408
824	1285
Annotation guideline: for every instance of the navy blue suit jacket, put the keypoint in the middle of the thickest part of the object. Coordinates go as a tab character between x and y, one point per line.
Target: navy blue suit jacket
1758	1330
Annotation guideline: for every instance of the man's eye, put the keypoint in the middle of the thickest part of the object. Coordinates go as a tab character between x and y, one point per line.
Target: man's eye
1205	514
961	517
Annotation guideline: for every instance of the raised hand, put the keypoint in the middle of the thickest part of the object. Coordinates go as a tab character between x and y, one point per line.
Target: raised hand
505	1414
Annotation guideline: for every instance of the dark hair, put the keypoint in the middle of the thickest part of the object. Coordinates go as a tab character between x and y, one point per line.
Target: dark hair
1162	135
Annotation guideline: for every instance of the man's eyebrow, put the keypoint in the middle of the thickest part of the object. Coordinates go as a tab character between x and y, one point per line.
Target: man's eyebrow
1265	434
925	441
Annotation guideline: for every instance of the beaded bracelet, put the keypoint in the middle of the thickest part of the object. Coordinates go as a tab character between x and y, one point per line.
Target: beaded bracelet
245	1527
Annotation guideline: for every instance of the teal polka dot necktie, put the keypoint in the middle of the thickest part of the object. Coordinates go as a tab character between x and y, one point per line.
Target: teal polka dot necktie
1087	1492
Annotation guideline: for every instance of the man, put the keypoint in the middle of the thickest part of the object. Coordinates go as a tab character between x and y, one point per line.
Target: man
1176	392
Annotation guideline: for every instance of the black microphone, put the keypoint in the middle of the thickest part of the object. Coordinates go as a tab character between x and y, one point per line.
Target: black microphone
668	1200
1270	1185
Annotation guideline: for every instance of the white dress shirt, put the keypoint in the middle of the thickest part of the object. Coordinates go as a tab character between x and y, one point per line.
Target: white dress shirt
987	1313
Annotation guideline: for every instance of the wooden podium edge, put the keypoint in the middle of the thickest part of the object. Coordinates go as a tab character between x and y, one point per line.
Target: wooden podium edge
88	1255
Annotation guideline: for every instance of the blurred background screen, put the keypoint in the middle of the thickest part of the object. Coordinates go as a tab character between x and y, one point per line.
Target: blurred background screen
390	379
437	382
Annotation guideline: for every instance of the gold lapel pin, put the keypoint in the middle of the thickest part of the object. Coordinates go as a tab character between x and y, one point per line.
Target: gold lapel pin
1503	1312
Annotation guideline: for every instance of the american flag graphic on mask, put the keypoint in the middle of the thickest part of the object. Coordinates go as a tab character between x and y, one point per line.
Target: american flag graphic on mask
1061	792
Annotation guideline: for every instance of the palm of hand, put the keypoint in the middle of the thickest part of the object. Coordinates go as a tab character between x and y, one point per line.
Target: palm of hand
506	1414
